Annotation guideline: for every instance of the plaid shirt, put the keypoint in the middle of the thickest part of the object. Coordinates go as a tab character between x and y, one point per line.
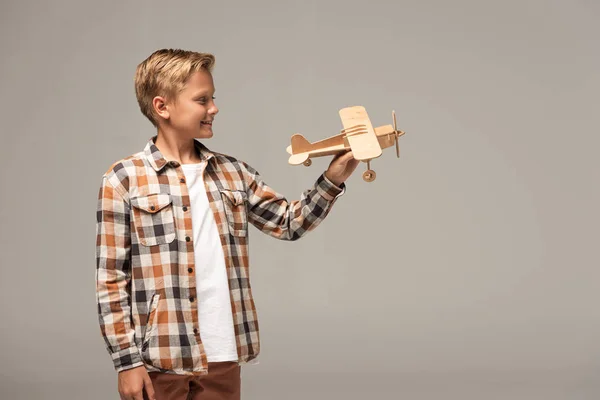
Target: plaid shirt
145	273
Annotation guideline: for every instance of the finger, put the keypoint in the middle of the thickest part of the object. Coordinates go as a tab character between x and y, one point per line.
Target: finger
348	156
345	158
149	388
339	155
138	396
343	155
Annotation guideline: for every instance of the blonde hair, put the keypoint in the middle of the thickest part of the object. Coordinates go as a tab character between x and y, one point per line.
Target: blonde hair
165	73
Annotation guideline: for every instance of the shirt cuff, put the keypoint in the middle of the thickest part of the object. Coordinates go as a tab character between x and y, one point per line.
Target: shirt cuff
127	359
328	189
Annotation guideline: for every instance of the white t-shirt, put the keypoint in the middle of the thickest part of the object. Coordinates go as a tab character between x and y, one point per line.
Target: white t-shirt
214	305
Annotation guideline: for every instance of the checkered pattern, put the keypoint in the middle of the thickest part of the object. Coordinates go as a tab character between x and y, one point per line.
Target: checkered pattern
146	282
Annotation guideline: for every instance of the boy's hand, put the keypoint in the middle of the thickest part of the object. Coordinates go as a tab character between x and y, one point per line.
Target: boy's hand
341	167
133	382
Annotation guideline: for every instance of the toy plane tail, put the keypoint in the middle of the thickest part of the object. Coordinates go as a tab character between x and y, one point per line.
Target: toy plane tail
299	144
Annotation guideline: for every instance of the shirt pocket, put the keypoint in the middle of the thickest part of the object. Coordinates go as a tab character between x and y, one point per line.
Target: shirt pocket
234	203
153	219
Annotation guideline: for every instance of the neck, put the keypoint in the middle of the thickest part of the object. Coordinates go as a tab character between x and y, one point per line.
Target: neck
174	148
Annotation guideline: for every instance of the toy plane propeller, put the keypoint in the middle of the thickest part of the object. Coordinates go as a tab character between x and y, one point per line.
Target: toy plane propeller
358	135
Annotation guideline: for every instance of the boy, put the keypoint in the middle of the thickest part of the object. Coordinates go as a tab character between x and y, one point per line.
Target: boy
174	299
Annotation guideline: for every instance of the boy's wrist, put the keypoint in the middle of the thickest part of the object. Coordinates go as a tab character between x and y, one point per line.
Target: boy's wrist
336	181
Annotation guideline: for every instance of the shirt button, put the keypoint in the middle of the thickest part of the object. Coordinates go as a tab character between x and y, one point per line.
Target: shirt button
152	208
192	299
182	180
190	270
187	239
184	208
195	331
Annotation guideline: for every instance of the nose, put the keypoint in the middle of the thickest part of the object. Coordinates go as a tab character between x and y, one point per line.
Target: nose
214	110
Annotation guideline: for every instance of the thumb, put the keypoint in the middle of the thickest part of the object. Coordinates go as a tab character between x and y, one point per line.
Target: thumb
149	388
344	157
348	158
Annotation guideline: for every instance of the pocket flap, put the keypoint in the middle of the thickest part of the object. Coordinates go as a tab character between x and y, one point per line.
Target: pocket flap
152	203
236	197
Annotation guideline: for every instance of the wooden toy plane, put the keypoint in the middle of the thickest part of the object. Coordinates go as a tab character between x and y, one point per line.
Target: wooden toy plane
358	135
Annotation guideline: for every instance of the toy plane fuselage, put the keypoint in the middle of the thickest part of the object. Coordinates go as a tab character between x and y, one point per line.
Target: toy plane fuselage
301	149
358	135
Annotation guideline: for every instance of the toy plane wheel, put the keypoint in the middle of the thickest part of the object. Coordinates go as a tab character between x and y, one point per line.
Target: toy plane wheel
369	175
307	163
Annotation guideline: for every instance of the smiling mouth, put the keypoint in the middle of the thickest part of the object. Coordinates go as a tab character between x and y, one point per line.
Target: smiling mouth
206	122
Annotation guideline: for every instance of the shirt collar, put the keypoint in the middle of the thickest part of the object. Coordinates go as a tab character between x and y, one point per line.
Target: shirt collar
158	161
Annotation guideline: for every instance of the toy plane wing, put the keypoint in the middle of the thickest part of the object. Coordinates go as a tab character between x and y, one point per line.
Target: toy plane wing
360	133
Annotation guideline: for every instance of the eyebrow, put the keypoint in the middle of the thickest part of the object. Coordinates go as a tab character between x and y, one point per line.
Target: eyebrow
203	93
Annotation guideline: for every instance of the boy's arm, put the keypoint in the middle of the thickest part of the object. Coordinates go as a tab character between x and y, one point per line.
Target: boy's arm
113	276
273	214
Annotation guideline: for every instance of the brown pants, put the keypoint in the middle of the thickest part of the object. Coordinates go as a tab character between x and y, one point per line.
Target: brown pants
223	382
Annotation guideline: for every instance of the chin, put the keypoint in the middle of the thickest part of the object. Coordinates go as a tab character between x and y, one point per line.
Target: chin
203	135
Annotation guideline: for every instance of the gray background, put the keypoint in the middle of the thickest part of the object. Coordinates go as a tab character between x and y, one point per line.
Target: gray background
467	270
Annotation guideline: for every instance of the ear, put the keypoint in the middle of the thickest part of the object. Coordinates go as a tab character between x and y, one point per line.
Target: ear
160	107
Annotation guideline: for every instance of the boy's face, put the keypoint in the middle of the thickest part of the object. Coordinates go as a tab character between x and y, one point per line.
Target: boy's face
192	112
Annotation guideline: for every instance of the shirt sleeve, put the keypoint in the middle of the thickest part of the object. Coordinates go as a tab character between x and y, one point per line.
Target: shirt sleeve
113	276
274	215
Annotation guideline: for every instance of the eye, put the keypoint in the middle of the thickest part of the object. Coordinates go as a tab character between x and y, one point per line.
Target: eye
203	99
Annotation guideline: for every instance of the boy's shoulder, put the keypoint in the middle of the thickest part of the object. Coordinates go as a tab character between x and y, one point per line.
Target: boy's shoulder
223	158
120	172
125	163
232	163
